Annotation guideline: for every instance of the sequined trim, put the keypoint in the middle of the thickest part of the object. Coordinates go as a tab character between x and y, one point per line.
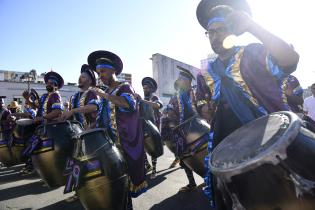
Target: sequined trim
135	191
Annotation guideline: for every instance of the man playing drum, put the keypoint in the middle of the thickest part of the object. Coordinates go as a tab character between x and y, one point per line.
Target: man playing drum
149	88
5	126
242	83
184	106
87	80
50	104
118	113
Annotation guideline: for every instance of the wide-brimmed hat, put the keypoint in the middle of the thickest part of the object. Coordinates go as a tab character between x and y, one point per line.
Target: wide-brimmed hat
56	77
204	8
106	59
150	82
85	68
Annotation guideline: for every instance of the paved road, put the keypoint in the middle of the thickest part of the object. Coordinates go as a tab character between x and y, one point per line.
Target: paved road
28	192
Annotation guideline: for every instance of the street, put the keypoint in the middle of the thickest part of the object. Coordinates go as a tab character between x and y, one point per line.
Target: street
29	192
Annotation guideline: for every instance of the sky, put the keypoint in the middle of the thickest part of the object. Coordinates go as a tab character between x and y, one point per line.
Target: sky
59	34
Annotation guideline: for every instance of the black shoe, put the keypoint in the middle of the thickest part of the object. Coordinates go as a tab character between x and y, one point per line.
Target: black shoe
188	188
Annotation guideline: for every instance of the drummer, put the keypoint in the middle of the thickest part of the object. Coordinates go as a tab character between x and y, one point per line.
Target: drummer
14	107
5	126
28	112
183	104
118	113
242	83
87	81
149	88
50	104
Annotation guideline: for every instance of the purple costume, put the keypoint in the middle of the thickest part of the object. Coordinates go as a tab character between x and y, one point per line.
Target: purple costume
49	102
124	127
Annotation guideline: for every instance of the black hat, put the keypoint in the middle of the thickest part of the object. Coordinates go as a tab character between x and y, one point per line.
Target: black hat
102	57
204	13
54	76
151	82
185	73
86	69
33	95
2	97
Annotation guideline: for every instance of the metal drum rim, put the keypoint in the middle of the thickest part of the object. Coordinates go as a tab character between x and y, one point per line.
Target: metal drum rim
103	183
90	131
264	157
24	119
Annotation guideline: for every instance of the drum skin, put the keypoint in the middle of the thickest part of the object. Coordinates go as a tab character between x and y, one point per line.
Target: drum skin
152	139
50	163
278	176
108	190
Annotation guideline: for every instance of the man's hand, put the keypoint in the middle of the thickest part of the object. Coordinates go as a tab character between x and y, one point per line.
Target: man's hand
239	22
65	116
38	120
26	95
138	97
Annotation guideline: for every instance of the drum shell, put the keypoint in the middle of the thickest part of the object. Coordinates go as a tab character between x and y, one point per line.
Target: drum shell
17	151
196	162
110	190
50	164
5	155
193	129
152	139
23	131
275	189
167	133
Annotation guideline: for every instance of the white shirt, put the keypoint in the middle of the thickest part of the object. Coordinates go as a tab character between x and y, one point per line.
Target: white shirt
309	106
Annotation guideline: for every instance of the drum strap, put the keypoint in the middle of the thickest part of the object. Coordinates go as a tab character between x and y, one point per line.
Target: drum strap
77	171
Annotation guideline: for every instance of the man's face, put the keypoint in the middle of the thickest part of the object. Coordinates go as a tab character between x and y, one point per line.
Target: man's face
84	80
2	104
106	75
313	89
184	84
146	90
51	86
217	32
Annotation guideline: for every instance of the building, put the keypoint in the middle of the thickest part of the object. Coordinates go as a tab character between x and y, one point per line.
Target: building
14	83
18	76
125	77
13	90
165	72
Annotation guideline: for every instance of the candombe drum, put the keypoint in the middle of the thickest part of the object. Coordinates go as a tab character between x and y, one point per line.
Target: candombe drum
192	138
167	126
97	172
53	145
152	137
267	164
5	152
22	131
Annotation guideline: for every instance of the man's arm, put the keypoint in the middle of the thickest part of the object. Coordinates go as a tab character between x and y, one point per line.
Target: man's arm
282	52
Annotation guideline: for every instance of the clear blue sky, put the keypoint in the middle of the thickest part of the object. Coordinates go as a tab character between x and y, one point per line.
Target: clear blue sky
59	34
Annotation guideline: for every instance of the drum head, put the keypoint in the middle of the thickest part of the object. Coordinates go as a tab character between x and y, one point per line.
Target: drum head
24	122
256	142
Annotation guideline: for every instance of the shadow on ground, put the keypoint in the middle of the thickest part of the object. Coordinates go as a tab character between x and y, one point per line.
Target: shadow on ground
184	201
